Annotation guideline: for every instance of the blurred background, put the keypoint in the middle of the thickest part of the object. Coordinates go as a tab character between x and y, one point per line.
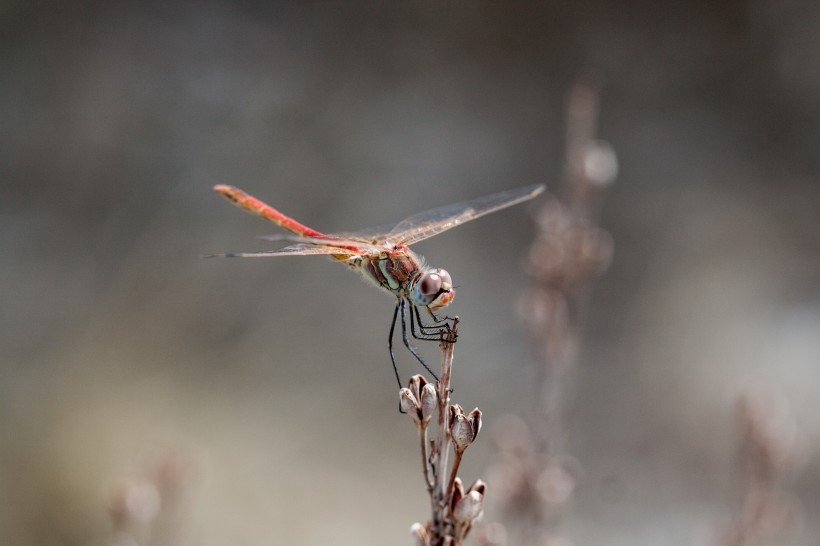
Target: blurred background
259	392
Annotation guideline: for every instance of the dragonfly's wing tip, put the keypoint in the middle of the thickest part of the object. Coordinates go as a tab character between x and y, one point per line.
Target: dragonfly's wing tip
233	255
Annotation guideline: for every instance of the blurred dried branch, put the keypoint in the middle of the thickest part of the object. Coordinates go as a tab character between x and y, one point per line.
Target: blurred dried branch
535	477
769	450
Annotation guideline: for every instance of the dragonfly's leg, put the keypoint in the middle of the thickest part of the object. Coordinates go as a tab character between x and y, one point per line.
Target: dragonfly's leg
451	337
421	331
407	341
390	343
442	326
438	323
440	319
424	332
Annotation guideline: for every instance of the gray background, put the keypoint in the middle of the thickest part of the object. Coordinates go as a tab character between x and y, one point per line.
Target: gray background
117	341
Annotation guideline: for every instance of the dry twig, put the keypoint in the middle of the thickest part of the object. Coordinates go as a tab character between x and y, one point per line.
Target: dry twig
453	509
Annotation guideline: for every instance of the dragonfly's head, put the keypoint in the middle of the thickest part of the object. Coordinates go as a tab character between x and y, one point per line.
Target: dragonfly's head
433	289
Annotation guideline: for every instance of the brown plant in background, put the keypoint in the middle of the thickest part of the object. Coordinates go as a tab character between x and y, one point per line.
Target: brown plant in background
453	508
534	477
769	450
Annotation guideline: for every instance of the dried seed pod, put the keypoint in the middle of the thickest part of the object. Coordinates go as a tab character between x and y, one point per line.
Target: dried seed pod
479	486
420	535
464	428
457	493
475	422
419	399
469	507
409	404
429	401
416	383
460	428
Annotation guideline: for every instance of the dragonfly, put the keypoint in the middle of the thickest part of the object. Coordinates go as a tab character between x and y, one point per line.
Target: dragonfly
383	257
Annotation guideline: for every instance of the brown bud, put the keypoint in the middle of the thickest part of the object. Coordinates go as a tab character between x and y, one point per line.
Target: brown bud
479	486
409	404
456	493
429	401
475	421
463	504
464	428
420	535
419	399
416	383
469	507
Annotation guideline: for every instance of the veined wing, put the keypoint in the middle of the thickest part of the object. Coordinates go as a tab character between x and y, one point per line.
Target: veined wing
338	241
432	222
301	249
457	214
370	236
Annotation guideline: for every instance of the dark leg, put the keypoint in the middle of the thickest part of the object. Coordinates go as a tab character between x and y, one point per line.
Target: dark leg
442	319
390	341
419	330
439	328
407	341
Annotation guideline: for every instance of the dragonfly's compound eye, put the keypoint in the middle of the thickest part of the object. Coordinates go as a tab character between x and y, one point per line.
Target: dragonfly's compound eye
446	281
430	284
434	289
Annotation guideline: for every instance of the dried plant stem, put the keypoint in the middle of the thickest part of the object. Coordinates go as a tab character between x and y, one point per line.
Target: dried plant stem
453	509
454	472
441	450
428	481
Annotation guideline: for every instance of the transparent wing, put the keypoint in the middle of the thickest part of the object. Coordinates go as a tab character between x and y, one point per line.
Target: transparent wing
301	249
371	236
432	222
338	241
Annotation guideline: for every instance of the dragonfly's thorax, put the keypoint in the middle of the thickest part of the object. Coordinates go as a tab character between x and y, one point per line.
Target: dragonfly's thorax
399	271
391	268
